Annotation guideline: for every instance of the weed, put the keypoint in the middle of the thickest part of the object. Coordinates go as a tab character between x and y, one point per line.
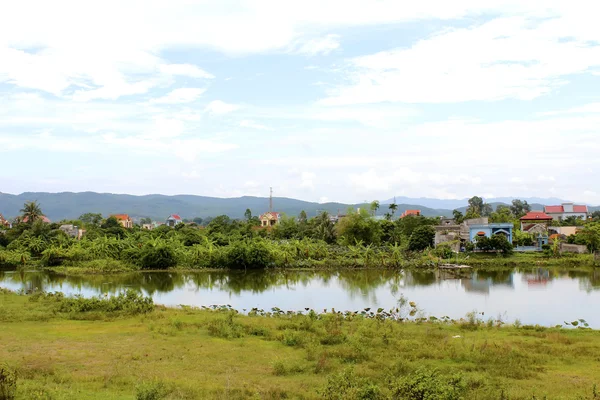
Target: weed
226	327
429	385
151	391
347	386
8	383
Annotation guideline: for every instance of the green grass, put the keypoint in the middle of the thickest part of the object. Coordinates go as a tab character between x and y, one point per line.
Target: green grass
59	351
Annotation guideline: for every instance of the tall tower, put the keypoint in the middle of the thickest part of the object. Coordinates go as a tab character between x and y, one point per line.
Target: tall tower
271	199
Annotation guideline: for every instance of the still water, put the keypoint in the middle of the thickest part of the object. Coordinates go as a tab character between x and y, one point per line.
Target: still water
534	296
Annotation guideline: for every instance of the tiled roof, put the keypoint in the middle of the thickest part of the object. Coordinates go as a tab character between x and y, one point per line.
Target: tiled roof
561	209
121	217
175	216
43	218
536	215
410	212
273	214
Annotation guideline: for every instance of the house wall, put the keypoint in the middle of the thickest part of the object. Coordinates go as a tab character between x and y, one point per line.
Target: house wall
490	229
564	215
573	248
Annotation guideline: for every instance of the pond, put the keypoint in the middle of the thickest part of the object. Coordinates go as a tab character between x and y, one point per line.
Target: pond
534	296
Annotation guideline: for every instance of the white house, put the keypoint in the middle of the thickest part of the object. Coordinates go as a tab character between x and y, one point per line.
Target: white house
174	220
566	210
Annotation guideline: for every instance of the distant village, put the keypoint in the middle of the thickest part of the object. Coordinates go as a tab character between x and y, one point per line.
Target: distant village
543	226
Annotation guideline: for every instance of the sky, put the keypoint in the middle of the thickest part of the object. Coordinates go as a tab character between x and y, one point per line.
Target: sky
329	100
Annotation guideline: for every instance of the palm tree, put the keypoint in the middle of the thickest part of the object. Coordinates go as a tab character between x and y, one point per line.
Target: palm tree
31	211
393	207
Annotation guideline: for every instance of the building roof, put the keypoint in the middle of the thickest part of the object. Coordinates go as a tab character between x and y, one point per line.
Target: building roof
121	217
561	209
410	212
274	214
43	218
175	217
536	216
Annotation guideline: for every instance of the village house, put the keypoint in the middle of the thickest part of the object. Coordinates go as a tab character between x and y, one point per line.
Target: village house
566	210
173	220
72	231
43	218
536	223
124	219
270	218
488	230
4	222
416	213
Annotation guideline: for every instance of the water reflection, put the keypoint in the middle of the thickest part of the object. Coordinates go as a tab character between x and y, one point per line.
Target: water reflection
532	294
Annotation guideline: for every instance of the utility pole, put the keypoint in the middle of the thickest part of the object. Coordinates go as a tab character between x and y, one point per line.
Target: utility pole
271	200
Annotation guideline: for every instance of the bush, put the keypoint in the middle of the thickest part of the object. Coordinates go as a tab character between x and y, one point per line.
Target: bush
421	238
226	327
129	302
158	257
248	255
8	383
429	385
151	391
347	386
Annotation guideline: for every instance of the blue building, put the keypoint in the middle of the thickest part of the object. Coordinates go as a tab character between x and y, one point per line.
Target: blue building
488	230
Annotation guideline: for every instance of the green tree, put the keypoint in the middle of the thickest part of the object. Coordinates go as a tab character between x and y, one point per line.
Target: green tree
93	219
111	222
31	212
248	214
393	208
146	220
458	216
475	205
502	214
519	208
421	239
302	217
374	206
198	220
358	226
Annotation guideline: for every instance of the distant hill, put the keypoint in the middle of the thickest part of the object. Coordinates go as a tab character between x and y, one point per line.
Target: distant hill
68	205
450	204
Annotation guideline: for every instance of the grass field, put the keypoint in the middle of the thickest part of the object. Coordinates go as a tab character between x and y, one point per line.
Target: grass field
127	349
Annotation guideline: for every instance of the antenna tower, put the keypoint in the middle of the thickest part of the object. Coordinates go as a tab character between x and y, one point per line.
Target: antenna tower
271	200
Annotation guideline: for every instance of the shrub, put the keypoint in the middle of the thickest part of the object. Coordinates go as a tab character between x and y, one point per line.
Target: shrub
8	383
248	255
347	386
158	257
429	385
226	327
129	302
421	238
151	391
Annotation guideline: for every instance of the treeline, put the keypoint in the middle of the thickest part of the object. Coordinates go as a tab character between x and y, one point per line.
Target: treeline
357	239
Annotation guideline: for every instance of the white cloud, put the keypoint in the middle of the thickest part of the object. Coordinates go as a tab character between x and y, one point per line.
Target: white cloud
219	107
181	95
185	70
307	180
312	47
254	125
512	57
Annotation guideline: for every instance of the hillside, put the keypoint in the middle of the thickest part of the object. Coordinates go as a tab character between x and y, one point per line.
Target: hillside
68	205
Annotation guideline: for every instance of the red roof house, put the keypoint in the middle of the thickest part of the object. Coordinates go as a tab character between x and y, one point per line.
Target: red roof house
566	210
124	219
270	218
173	220
535	219
43	218
406	213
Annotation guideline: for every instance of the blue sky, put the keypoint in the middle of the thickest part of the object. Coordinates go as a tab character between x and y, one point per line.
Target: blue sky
322	100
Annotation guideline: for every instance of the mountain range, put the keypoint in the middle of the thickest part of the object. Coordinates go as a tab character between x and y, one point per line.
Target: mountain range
69	205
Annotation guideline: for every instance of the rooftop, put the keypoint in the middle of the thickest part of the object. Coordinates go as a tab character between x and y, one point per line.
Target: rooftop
536	215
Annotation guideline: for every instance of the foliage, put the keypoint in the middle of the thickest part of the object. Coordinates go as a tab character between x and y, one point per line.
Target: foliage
497	243
358	226
91	219
421	239
519	208
347	386
157	255
429	385
8	383
129	302
31	211
151	391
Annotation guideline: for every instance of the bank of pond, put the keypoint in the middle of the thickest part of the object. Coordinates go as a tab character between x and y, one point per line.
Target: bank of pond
124	346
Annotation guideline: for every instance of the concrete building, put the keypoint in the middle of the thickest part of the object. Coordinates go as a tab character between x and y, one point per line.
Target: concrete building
73	231
125	220
536	223
565	210
173	220
488	230
270	218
